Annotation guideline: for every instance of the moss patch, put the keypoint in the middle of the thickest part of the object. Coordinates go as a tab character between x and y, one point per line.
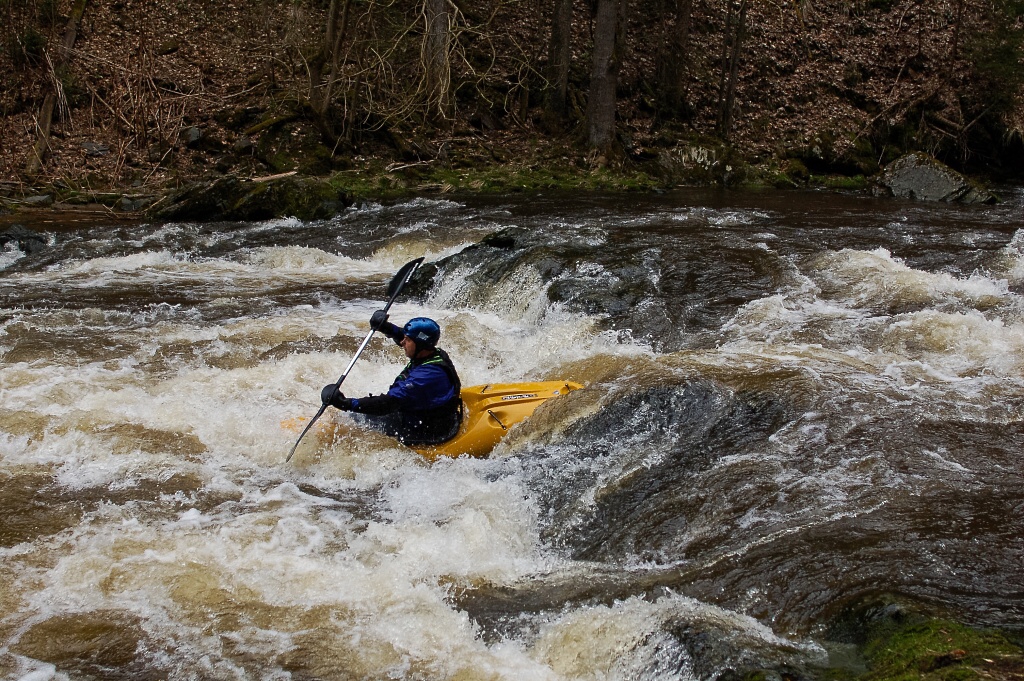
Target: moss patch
942	650
841	182
398	180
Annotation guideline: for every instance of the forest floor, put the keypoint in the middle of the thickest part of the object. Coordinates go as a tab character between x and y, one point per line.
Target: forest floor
827	94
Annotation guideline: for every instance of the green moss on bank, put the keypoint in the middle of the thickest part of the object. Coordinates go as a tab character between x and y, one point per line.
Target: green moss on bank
942	650
397	180
842	182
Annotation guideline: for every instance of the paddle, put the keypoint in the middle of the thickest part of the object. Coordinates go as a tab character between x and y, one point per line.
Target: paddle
394	288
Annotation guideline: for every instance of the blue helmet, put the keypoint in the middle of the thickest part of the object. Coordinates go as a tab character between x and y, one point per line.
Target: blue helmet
425	332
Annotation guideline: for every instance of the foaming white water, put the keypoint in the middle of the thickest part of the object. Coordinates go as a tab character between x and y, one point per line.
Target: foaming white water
164	429
876	278
962	343
1011	261
854	301
718	217
291	578
306	261
629	639
227	553
10	255
258	269
397	253
520	294
210	383
519	298
425	202
281	571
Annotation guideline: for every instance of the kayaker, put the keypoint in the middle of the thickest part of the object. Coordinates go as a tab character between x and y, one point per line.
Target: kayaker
423	405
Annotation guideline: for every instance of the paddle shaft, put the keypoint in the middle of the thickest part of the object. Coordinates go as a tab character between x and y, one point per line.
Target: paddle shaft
408	270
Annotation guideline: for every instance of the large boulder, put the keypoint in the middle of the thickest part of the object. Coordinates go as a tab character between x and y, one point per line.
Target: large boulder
919	176
234	198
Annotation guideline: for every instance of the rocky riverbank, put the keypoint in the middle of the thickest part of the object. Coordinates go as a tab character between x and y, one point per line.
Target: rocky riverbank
235	197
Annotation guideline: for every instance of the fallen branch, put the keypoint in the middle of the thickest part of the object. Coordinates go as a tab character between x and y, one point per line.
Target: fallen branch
270	122
395	166
270	178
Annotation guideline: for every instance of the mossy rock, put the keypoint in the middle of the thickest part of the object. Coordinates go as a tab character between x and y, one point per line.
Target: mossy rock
232	198
306	198
827	154
900	640
944	650
701	162
797	171
864	157
199	202
316	159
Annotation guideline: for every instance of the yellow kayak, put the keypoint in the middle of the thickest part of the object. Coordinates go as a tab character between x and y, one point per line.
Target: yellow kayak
488	412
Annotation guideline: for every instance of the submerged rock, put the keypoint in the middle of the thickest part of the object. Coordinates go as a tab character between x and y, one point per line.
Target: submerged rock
234	198
26	240
508	269
919	176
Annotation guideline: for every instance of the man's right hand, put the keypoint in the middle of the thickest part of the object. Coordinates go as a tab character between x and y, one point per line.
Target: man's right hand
379	318
332	395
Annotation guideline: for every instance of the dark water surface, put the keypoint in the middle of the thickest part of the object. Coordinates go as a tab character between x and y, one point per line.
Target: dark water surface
797	405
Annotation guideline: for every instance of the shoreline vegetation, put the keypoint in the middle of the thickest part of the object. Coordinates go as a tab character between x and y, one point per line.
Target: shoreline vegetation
291	194
118	105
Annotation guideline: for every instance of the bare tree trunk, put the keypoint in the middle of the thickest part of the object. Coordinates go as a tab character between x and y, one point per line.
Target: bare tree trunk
605	75
724	69
732	46
335	36
956	29
559	55
673	61
34	165
436	56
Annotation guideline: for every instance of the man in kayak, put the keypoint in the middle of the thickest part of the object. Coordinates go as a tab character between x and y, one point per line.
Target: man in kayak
423	406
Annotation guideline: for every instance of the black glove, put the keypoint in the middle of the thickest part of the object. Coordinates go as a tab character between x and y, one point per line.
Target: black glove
378	319
333	396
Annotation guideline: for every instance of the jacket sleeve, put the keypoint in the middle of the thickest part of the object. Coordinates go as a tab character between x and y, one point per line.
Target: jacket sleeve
393	332
375	405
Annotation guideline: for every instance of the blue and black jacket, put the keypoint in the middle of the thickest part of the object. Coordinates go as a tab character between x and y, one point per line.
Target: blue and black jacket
426	396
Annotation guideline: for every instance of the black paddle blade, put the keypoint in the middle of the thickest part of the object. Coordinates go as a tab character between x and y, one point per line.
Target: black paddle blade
398	281
304	431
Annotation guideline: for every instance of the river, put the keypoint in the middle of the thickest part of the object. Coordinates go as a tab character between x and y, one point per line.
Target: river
796	405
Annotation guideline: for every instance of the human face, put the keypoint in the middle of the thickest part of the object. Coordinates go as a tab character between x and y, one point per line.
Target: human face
409	345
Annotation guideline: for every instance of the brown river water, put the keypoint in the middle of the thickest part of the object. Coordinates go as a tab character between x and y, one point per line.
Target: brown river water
797	406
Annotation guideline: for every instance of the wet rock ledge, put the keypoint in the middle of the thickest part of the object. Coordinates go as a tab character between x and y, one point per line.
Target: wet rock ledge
224	198
234	198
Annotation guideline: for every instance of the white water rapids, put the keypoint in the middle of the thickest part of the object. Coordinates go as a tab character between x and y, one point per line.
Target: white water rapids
154	530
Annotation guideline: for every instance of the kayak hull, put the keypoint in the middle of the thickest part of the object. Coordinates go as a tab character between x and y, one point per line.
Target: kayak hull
488	412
